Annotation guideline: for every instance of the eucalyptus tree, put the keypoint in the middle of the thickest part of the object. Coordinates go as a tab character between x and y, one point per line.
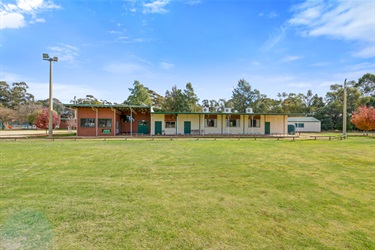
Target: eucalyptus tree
139	95
243	96
175	100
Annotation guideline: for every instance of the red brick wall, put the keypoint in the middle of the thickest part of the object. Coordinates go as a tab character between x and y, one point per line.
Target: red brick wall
125	126
103	113
107	113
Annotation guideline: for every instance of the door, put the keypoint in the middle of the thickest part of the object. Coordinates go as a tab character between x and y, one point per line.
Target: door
158	128
267	128
143	127
291	129
187	128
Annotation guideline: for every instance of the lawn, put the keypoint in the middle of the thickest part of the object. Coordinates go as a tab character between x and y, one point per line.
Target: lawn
186	194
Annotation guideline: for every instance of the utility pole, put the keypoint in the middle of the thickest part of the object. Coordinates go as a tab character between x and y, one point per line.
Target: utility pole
344	113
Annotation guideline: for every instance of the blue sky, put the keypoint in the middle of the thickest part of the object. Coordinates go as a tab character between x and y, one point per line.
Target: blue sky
103	46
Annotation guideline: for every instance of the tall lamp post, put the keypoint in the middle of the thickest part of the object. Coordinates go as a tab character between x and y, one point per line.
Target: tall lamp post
50	102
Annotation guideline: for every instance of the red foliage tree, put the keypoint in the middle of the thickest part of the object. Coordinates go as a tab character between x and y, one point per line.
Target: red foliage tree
42	119
364	118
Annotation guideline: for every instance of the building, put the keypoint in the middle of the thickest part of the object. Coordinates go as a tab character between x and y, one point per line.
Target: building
172	123
305	124
113	120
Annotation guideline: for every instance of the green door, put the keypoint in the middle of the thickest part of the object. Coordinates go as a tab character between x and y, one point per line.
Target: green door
187	128
291	129
143	127
158	127
267	128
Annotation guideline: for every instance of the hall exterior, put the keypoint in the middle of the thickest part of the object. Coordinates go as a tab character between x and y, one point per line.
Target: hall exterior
130	120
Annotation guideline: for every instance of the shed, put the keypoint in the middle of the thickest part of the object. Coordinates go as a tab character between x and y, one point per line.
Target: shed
305	124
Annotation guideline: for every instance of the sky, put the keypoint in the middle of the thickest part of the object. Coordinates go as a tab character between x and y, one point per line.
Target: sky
103	46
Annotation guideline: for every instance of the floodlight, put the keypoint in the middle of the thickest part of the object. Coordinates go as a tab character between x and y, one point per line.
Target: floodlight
45	56
55	59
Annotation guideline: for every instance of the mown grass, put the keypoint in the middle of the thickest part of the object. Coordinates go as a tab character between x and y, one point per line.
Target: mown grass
95	194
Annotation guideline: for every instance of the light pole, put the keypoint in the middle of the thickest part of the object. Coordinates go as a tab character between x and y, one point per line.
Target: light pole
50	101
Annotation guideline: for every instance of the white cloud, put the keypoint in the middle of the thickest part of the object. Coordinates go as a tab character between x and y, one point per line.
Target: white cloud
157	6
291	58
339	19
65	53
166	66
274	38
193	2
13	16
12	20
38	20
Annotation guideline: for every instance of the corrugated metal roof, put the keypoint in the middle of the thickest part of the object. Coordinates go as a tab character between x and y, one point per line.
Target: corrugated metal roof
104	106
302	119
214	113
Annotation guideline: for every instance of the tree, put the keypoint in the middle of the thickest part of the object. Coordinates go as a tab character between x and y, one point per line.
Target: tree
6	115
334	103
89	99
26	113
223	103
292	103
191	98
139	95
366	84
178	100
4	94
42	119
174	100
213	105
364	118
243	97
19	95
265	104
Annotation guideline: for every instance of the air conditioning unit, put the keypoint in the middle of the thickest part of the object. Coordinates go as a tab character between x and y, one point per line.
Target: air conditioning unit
206	110
249	110
227	110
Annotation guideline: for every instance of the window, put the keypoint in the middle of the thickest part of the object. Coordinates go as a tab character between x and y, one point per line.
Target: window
210	121
300	125
170	124
87	122
105	123
254	123
233	123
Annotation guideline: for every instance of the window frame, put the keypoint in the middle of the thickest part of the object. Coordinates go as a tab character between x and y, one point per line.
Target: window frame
210	123
87	121
105	125
300	125
170	124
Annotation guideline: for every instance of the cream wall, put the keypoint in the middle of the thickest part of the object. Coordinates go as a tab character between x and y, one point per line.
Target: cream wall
279	124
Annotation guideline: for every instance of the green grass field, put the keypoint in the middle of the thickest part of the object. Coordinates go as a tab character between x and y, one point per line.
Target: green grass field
185	194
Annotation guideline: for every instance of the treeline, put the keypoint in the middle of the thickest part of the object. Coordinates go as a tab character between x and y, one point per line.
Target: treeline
16	104
20	107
